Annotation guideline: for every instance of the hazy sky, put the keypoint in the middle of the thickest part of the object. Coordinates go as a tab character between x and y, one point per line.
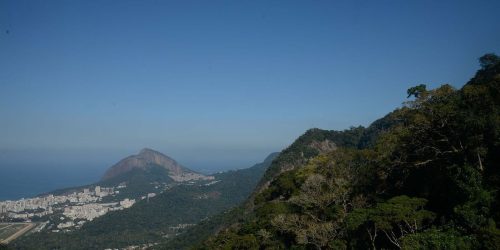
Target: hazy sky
217	84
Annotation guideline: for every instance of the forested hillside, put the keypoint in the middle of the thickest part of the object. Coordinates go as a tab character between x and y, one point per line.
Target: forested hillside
311	144
426	176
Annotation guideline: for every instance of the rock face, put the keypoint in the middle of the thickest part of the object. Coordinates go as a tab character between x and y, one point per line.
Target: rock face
147	158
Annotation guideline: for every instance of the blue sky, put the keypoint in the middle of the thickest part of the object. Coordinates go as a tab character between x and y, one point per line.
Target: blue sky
217	84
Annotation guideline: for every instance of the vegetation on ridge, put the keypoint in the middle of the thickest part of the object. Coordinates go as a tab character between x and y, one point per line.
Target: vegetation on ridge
424	177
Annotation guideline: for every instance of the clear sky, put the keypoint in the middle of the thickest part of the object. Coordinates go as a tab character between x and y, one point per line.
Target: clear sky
217	84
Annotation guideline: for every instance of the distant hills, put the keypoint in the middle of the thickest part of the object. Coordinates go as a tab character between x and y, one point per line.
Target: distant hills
148	158
188	198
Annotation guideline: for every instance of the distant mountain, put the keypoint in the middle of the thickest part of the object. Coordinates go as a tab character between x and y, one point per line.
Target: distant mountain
148	158
149	171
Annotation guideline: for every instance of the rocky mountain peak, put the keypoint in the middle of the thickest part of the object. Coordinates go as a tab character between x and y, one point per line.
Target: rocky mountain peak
146	151
147	158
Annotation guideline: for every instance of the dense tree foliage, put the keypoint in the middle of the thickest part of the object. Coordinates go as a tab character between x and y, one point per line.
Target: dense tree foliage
426	176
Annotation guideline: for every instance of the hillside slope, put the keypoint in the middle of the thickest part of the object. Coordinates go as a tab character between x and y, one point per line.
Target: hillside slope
309	145
424	177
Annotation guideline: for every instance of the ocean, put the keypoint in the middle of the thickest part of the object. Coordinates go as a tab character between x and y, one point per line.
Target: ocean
28	181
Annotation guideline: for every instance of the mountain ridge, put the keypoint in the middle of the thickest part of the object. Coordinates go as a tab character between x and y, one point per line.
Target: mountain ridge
431	161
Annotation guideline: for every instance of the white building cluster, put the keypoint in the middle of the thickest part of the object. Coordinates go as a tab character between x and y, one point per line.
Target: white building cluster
93	210
86	202
38	203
